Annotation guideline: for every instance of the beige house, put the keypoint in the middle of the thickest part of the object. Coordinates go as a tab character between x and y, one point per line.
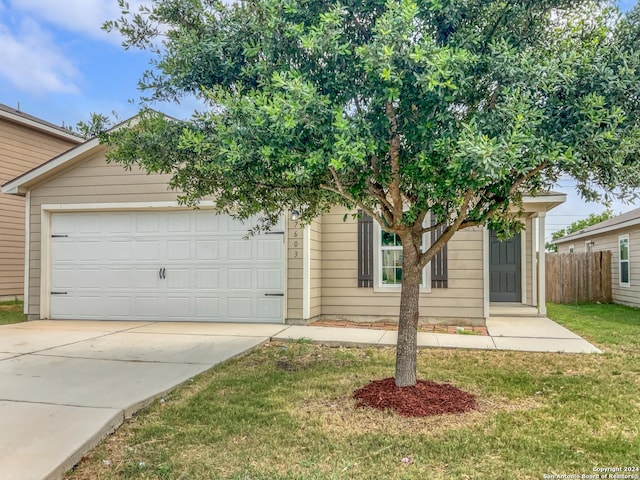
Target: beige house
25	142
620	235
106	243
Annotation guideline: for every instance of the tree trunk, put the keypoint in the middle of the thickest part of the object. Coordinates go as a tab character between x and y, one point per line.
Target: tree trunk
407	346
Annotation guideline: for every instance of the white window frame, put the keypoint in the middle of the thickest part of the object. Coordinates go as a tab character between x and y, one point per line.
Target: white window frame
588	246
378	286
572	248
622	238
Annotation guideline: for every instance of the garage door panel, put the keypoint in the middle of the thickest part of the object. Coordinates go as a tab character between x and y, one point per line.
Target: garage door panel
147	278
270	248
208	222
64	305
188	265
88	251
119	278
240	278
117	307
90	278
63	224
207	250
148	250
269	279
86	303
239	250
238	226
178	307
147	222
206	307
207	278
239	308
63	251
119	250
267	307
147	307
178	278
178	250
63	278
179	222
122	223
88	224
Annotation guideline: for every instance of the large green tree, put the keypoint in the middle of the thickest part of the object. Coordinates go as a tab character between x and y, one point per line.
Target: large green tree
394	107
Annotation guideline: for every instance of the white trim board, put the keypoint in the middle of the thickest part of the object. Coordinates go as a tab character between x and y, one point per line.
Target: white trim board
27	251
523	267
306	272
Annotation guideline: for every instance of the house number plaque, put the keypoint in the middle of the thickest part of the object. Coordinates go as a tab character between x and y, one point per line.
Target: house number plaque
295	242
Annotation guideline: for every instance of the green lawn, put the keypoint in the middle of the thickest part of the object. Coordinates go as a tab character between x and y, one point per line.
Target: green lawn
11	312
285	412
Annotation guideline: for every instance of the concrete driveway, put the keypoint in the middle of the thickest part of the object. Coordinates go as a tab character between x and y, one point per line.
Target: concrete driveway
65	384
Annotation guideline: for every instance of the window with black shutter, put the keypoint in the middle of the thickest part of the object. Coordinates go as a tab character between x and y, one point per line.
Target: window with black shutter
365	250
439	268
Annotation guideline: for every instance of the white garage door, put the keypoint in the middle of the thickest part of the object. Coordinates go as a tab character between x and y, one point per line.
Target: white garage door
165	265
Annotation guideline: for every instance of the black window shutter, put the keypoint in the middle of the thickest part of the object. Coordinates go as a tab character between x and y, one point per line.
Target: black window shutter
365	250
439	268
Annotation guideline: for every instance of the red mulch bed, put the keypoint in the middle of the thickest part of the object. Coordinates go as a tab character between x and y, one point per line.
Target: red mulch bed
422	400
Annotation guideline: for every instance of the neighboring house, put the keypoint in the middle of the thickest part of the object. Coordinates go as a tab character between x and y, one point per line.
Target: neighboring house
113	244
25	142
620	235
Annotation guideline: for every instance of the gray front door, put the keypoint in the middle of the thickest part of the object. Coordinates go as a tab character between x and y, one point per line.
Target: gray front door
504	269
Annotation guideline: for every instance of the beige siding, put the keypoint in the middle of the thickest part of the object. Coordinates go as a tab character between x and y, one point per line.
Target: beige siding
609	241
21	149
315	270
341	297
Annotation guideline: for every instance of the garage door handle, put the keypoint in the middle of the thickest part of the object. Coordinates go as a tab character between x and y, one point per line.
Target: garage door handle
162	273
274	294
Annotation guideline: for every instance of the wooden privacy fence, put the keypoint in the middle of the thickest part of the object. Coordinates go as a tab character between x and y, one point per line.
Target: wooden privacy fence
579	277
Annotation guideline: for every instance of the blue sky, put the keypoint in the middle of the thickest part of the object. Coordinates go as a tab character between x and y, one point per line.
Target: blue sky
57	64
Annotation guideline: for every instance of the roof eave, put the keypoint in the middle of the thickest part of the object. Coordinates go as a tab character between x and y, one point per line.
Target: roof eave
58	132
542	203
20	185
598	231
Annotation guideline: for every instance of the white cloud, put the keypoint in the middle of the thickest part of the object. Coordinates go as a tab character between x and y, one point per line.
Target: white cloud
81	16
32	63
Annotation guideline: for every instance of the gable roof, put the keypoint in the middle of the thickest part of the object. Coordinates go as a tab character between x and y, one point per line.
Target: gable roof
30	121
625	220
21	184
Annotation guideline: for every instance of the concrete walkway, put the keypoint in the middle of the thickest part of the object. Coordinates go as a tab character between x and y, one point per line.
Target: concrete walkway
66	384
530	334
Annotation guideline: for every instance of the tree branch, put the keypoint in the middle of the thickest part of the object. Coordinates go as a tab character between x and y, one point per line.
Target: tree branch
349	198
385	206
394	153
499	201
435	247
